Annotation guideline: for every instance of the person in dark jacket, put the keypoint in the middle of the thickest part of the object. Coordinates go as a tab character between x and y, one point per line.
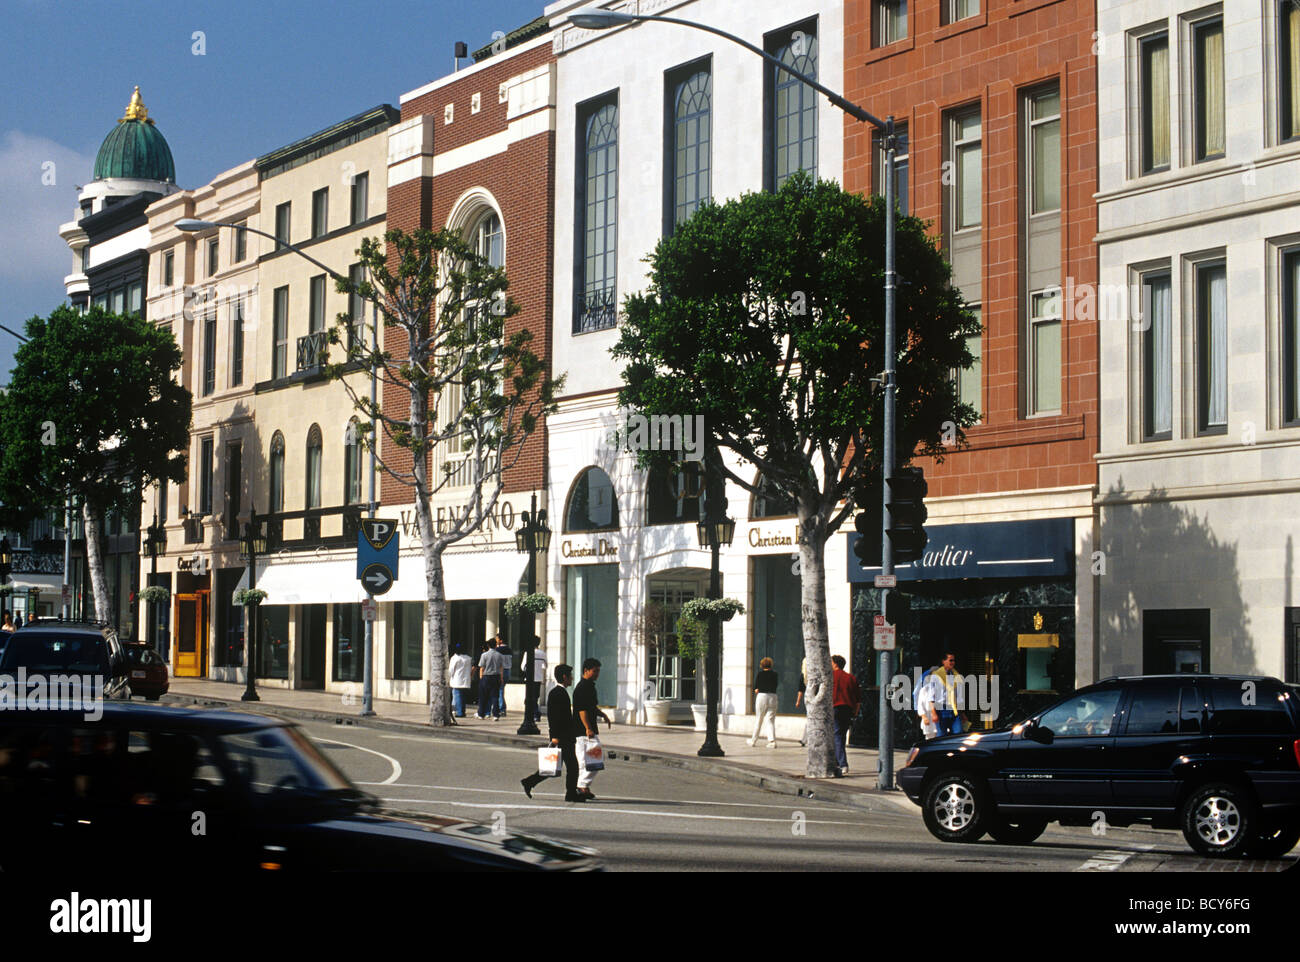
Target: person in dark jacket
585	712
559	718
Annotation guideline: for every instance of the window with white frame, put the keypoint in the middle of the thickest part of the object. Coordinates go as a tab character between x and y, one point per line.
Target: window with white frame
967	161
1043	116
280	333
1206	88
316	315
320	212
954	10
1157	356
360	197
1211	334
890	21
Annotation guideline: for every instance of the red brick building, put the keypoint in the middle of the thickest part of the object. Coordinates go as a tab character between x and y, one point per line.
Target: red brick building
996	101
475	152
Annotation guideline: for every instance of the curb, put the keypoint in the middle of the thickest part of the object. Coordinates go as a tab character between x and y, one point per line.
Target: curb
894	803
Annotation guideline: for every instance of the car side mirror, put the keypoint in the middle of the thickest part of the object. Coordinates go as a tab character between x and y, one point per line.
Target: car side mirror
1037	733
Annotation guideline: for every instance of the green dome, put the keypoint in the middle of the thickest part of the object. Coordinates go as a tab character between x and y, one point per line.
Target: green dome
135	148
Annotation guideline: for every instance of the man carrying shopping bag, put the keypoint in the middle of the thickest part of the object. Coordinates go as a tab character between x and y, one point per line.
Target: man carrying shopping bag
559	717
585	713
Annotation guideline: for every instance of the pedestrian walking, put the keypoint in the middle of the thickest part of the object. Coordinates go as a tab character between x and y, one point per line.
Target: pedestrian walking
533	666
585	712
925	703
564	734
476	687
848	699
458	671
949	697
507	657
764	701
799	697
7	623
491	675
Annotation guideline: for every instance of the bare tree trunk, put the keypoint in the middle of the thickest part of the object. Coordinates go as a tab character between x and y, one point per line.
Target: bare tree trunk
95	559
820	694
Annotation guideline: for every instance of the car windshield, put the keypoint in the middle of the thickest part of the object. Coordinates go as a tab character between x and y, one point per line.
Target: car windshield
49	653
280	761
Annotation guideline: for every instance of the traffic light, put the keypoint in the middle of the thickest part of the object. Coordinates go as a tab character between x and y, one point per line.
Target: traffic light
896	606
907	514
868	523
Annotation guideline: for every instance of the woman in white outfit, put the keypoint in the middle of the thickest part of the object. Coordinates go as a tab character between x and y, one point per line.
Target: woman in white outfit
765	701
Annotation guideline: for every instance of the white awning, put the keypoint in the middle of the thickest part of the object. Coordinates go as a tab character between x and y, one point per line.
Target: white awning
308	582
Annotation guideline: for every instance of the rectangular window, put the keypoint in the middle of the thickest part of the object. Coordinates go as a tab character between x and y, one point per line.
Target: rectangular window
967	161
596	233
791	107
1153	59
970	381
205	477
241	242
237	343
688	119
209	354
282	214
213	254
169	268
1045	351
1212	348
320	212
408	639
234	488
954	10
162	501
280	323
360	197
1207	89
1288	58
900	166
356	308
1044	118
1291	337
135	299
316	319
349	643
890	21
1157	358
352	467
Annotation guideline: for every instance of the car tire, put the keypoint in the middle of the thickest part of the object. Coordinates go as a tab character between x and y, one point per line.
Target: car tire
1274	840
956	808
1021	832
1218	820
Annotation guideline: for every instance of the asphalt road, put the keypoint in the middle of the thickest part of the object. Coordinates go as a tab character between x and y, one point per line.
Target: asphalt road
649	817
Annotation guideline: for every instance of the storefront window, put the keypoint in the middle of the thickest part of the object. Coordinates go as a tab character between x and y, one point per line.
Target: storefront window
673	494
592	504
778	625
591	621
229	651
273	641
408	639
349	643
672	676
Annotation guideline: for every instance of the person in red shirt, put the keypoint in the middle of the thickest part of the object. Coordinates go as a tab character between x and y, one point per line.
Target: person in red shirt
848	699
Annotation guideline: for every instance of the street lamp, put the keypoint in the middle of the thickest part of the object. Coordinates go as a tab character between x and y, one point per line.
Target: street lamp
251	544
6	560
533	537
155	543
597	19
713	532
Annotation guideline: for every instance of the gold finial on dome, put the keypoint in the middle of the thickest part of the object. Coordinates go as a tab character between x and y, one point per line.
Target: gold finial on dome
136	110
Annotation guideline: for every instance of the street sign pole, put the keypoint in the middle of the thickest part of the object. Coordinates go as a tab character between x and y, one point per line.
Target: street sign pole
885	662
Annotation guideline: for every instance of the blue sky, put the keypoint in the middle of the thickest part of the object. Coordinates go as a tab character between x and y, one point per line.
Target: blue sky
272	71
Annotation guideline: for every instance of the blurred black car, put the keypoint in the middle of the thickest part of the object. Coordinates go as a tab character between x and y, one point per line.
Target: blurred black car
220	791
1216	756
86	649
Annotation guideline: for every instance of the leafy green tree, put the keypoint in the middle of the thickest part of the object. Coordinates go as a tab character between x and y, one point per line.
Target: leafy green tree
472	392
766	315
93	411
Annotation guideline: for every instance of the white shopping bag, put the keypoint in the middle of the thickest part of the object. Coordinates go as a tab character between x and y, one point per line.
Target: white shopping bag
548	761
591	757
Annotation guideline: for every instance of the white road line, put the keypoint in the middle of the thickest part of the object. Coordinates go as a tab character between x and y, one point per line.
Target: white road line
397	766
1111	860
603	809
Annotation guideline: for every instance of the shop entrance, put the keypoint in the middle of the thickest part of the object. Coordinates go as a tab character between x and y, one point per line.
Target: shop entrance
191	635
669	676
971	635
313	649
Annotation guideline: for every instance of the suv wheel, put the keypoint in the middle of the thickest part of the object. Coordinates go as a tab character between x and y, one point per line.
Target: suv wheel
1275	840
1021	832
1218	820
956	808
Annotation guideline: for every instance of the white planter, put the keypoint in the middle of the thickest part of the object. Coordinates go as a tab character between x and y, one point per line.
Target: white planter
656	712
701	713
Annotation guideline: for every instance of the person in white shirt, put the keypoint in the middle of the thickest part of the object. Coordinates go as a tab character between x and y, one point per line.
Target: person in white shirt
925	699
459	680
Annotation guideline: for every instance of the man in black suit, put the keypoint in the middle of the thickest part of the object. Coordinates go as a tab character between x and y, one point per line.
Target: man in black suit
559	718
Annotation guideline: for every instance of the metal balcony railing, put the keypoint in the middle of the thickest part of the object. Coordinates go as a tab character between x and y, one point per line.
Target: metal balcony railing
312	352
595	311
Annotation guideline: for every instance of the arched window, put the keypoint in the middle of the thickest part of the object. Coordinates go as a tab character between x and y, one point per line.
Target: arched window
352	463
693	102
770	503
489	239
592	505
277	473
674	493
313	467
597	229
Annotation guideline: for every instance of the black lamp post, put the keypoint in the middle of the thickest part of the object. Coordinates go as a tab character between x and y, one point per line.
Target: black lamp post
713	532
155	543
533	537
251	544
6	560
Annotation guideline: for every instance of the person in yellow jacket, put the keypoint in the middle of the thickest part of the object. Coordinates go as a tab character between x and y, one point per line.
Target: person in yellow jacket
952	720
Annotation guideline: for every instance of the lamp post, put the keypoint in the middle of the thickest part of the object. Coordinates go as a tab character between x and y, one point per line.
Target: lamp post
533	537
597	19
6	560
251	544
713	532
155	542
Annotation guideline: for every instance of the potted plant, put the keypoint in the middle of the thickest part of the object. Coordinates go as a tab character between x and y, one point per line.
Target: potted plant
536	603
154	594
245	596
650	629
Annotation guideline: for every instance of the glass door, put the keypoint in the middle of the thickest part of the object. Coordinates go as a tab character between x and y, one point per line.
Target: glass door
672	677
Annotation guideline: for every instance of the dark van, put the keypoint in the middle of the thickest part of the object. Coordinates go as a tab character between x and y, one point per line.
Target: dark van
1216	756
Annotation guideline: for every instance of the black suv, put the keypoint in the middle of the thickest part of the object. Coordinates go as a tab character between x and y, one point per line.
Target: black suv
66	648
1217	756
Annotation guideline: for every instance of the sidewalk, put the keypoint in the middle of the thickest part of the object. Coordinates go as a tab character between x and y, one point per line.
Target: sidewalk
779	769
